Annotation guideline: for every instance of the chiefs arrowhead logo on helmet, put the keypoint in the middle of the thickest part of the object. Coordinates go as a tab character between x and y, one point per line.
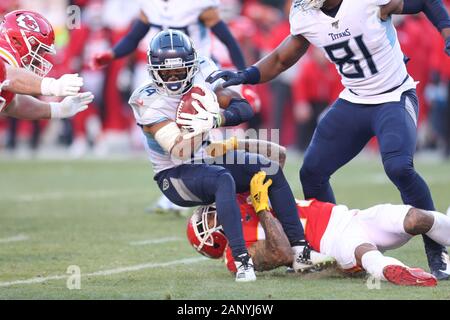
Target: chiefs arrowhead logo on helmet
31	36
26	21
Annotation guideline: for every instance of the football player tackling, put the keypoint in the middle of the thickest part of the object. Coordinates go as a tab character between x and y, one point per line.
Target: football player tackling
379	98
183	171
355	238
26	38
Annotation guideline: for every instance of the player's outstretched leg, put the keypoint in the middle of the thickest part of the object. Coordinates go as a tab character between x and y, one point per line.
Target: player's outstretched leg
391	269
395	128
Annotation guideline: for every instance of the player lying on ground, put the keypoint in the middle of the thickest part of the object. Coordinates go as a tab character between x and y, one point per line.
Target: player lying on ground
379	98
355	238
183	171
26	38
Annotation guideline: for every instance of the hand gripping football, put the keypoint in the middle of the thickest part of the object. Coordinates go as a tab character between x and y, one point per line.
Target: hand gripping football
185	105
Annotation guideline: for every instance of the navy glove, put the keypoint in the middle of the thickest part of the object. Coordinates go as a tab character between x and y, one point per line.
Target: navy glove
250	75
231	78
447	46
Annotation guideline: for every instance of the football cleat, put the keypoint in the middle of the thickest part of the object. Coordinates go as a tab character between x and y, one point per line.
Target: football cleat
404	276
306	258
244	266
444	273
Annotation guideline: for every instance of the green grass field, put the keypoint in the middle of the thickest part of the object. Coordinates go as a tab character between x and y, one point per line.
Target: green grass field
91	214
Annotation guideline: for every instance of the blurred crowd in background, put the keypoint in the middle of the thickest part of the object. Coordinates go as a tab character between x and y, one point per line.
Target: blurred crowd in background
293	102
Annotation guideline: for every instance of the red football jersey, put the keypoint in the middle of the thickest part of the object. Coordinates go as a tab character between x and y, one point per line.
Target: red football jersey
12	58
314	215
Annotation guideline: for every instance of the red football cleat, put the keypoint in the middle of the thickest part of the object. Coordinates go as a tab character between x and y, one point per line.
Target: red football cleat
404	276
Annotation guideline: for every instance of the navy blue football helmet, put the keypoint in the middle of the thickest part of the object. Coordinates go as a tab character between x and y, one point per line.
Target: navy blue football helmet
173	62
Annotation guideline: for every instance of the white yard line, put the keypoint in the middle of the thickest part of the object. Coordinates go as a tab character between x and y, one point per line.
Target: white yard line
19	237
154	241
109	272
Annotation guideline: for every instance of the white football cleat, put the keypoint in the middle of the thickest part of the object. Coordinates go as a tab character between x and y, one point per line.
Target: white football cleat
306	258
244	266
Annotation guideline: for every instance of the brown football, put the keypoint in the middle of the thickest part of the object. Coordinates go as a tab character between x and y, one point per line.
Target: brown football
185	105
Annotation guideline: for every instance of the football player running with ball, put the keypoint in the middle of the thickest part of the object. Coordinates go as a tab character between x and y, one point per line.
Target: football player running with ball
182	169
194	18
379	98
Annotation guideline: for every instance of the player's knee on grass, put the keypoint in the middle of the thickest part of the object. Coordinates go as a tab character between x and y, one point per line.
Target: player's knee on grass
418	221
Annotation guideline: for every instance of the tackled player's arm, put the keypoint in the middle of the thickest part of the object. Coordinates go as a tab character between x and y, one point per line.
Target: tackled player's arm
170	138
270	150
283	57
273	252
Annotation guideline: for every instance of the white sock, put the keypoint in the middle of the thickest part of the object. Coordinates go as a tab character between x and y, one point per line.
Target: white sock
440	231
374	262
297	250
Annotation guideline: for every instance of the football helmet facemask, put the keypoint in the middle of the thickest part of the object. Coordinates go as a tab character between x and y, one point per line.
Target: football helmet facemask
32	37
208	240
173	62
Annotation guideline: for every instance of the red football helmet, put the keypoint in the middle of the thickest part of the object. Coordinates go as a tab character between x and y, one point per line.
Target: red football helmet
209	241
2	83
32	37
252	97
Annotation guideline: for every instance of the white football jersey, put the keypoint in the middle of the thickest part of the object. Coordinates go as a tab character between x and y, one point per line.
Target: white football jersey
180	15
364	49
150	107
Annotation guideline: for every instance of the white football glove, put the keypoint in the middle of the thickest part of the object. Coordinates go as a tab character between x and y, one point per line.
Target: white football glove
67	85
208	101
70	106
198	123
